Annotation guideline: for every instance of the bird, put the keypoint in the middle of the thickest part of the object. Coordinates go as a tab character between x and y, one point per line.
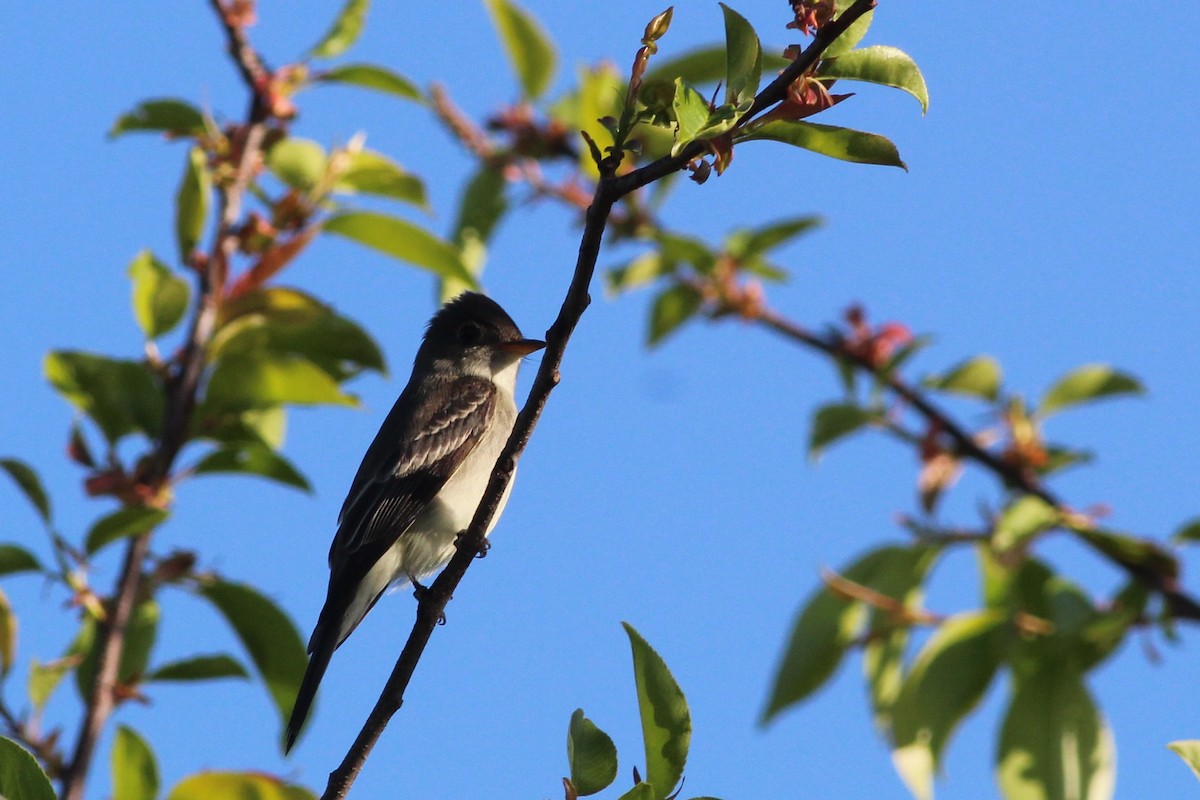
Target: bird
424	474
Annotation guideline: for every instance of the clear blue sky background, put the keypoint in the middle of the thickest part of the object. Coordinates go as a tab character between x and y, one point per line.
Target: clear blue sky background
1049	219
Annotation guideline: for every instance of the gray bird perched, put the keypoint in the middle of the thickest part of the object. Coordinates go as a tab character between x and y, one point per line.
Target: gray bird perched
424	474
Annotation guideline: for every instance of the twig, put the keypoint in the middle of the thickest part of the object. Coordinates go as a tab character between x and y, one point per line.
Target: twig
472	543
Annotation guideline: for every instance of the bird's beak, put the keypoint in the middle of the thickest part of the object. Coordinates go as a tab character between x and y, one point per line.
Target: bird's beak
521	347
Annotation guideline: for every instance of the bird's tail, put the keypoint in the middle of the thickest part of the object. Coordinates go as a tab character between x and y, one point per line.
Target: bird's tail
320	649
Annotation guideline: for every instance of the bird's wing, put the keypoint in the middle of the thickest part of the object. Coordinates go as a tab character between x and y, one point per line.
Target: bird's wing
412	457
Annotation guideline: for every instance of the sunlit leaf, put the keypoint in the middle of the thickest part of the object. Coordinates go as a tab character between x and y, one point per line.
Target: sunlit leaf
887	66
853	34
199	668
526	44
45	678
673	307
300	163
122	524
1089	382
975	377
591	755
482	204
743	58
374	77
641	270
1025	518
30	484
191	202
253	459
168	115
21	778
402	240
242	382
160	297
344	32
666	723
706	64
691	113
237	786
641	791
120	396
842	143
134	770
1189	751
1054	743
836	421
746	243
369	172
268	635
8	635
267	426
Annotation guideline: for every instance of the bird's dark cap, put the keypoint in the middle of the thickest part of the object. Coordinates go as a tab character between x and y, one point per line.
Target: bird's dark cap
497	326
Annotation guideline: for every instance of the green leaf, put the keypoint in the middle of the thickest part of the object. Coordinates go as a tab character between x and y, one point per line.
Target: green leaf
344	32
191	202
374	77
268	635
887	66
947	681
45	678
120	396
8	635
1106	629
853	34
591	754
1089	382
369	172
1187	532
169	115
707	64
14	559
134	770
743	58
529	49
975	377
253	459
402	240
160	297
30	484
1053	742
673	307
266	426
640	791
482	204
835	421
242	382
239	786
691	113
199	668
140	635
20	776
123	523
1022	520
1189	751
745	244
841	143
1147	556
641	270
299	163
666	723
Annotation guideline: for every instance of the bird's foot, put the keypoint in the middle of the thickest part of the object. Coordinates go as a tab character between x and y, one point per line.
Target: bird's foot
481	549
421	592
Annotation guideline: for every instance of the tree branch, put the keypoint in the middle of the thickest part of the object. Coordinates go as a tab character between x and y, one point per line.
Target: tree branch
472	543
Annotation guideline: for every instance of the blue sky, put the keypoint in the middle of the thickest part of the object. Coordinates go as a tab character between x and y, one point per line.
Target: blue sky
1048	219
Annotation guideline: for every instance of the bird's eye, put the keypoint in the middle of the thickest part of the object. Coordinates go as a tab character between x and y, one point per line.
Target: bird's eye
469	333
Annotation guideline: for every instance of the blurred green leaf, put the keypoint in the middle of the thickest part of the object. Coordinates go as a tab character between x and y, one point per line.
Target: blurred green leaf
121	524
853	34
402	240
344	32
242	382
299	163
835	421
887	66
120	396
20	776
253	459
134	770
237	786
199	668
277	303
482	204
168	115
1053	742
1147	556
8	635
666	723
268	635
140	635
706	64
45	678
842	143
266	426
375	77
591	755
1189	751
373	173
1089	382
677	247
746	243
672	307
1060	458
14	559
1106	629
975	377
600	96
641	270
160	297
1187	532
526	44
947	681
30	484
1023	519
191	202
743	58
